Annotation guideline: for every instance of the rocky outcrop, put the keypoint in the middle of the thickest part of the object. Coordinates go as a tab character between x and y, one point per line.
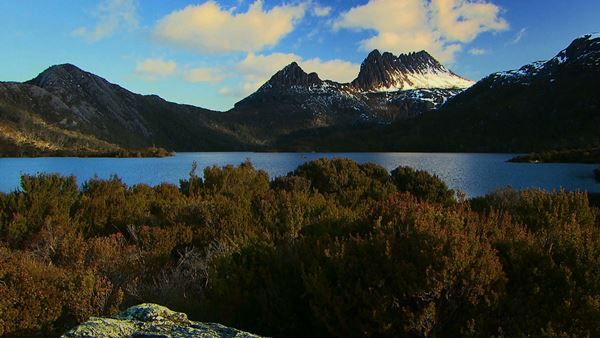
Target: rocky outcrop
292	75
386	72
152	321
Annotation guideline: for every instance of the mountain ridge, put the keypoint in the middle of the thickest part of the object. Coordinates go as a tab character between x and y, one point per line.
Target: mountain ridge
416	70
547	105
293	100
295	110
80	101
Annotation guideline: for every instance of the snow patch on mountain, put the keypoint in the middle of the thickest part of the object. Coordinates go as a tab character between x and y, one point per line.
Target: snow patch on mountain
389	73
428	79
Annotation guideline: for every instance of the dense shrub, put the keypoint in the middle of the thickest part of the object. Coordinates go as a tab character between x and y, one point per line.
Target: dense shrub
345	180
538	209
334	248
421	271
261	288
553	268
422	185
41	197
241	183
38	297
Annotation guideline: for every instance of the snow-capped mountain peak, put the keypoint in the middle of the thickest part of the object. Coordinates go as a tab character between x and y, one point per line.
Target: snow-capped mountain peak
582	52
388	73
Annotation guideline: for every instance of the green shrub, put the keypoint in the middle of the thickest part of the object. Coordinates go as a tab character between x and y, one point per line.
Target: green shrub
193	185
100	209
538	209
347	181
41	197
241	182
424	186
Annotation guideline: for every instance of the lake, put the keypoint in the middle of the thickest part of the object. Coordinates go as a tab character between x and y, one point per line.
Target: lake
474	174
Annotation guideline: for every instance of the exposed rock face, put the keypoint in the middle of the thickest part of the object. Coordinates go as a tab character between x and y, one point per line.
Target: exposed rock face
386	72
93	99
295	101
152	321
291	76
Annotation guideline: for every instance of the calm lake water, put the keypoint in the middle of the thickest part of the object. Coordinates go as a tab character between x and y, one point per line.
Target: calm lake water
474	174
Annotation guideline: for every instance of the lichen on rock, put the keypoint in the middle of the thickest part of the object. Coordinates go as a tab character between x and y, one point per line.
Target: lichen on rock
152	321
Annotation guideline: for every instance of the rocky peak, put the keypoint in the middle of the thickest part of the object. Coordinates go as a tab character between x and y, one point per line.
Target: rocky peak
292	76
74	85
60	75
420	61
387	72
584	49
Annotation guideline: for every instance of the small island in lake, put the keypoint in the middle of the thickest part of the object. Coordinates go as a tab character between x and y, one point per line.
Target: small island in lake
590	155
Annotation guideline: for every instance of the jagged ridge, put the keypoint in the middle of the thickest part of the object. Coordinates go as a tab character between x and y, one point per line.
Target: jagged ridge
582	52
386	72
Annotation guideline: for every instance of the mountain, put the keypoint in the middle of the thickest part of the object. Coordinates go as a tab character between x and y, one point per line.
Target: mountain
65	103
25	132
405	102
295	101
544	105
541	106
67	107
386	72
290	77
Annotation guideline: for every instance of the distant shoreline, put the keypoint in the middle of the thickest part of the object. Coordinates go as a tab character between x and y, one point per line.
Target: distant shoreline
121	153
580	155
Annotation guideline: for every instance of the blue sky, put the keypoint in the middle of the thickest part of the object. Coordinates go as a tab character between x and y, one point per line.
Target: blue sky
213	53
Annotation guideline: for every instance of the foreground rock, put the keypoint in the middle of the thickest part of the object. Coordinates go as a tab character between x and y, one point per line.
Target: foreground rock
151	320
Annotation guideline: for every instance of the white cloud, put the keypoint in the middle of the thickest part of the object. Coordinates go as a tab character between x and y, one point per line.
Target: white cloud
225	91
203	74
258	69
336	70
153	68
464	20
208	28
519	36
441	27
321	11
477	51
111	16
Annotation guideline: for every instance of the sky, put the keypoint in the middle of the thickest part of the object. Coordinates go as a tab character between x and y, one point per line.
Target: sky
214	53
